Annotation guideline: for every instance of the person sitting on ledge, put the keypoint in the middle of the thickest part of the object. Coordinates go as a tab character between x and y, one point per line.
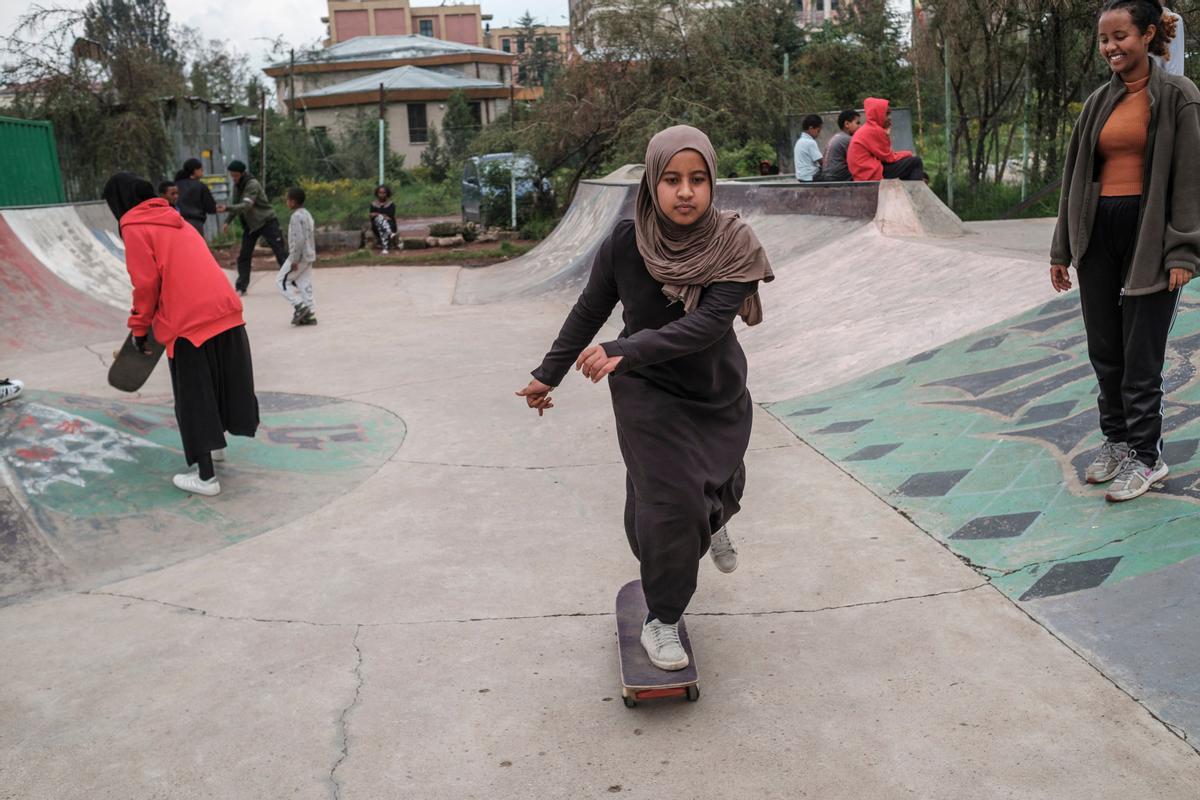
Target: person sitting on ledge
870	154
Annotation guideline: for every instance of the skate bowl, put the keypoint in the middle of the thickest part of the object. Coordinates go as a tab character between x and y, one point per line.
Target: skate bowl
866	273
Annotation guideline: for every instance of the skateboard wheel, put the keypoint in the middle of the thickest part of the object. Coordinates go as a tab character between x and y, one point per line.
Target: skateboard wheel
629	701
693	693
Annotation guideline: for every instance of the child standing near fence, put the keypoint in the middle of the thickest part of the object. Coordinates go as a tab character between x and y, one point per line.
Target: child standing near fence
295	276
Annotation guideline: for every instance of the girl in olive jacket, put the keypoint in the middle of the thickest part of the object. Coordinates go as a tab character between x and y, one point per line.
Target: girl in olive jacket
1129	222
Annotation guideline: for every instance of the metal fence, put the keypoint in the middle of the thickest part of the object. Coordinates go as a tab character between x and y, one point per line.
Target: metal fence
29	170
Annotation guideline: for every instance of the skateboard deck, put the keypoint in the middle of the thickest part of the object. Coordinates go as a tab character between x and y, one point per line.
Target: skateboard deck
641	680
131	367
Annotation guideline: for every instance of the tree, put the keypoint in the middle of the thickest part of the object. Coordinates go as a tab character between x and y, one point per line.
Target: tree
459	126
215	70
537	54
435	157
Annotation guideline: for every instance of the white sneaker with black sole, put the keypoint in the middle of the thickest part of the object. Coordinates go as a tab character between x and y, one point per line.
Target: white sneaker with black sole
1135	479
723	553
191	482
662	644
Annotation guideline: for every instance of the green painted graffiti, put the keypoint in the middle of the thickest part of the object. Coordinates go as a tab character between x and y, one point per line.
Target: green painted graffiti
983	443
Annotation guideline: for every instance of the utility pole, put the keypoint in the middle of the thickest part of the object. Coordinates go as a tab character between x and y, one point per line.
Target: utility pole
292	85
382	125
262	145
949	135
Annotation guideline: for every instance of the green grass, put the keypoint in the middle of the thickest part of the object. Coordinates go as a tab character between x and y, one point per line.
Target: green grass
344	203
430	256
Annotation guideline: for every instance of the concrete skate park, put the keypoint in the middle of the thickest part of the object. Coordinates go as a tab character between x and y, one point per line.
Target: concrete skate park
405	589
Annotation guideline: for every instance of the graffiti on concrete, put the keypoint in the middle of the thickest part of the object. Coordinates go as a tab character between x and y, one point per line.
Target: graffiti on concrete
983	442
45	446
311	437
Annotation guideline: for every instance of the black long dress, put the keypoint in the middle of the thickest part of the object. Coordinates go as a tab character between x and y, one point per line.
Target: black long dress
682	409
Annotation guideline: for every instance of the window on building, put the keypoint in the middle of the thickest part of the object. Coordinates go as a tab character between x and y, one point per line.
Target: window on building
425	28
418	128
506	45
477	112
520	44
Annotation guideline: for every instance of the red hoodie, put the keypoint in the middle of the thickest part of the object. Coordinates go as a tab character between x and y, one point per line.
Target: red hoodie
178	287
871	146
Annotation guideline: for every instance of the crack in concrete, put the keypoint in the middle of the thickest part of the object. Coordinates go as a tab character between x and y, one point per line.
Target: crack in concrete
100	356
1058	559
1018	606
358	626
343	719
522	468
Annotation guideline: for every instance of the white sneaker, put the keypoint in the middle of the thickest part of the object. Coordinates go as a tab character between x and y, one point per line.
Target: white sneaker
218	455
723	553
1134	479
10	389
663	646
385	252
190	482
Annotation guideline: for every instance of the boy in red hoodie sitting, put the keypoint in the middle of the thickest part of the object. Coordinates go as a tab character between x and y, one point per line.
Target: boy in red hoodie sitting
870	155
180	291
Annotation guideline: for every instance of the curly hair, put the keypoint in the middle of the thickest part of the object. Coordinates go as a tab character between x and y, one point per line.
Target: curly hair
1144	14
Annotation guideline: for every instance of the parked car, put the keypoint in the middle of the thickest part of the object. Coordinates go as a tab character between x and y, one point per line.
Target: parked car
485	198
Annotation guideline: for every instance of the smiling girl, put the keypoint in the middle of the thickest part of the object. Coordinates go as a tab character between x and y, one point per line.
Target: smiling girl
1129	222
682	271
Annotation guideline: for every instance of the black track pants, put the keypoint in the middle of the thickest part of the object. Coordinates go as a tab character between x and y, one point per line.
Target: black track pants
1126	336
270	231
909	168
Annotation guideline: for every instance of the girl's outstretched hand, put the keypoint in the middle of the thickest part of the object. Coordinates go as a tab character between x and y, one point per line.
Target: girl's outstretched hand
1060	278
537	395
596	364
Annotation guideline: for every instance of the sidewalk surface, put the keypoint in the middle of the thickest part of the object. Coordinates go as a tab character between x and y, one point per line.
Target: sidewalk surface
405	590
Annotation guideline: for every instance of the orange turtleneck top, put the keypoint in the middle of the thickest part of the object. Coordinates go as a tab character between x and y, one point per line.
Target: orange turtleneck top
1122	145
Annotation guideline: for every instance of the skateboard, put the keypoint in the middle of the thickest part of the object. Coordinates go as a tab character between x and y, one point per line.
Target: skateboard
641	680
131	367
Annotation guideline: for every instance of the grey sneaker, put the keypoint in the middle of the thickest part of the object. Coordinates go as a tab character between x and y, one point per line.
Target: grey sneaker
663	646
1134	479
10	389
1107	463
723	553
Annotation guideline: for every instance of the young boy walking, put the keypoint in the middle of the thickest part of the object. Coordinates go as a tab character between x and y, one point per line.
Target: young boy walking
295	276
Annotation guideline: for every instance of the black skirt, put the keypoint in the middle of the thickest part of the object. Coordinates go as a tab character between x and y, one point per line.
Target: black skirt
214	391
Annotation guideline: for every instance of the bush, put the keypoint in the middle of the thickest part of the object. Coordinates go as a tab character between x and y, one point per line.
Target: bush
743	161
415	244
343	203
537	228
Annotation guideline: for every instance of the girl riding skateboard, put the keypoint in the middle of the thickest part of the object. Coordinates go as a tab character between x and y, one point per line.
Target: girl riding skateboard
682	270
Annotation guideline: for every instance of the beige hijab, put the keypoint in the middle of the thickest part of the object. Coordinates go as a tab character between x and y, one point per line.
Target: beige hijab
717	247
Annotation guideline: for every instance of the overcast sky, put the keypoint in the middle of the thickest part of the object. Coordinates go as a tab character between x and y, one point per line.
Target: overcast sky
241	22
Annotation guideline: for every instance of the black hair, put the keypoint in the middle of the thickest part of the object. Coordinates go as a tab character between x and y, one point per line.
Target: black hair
811	121
163	186
189	167
1144	14
296	195
849	115
385	188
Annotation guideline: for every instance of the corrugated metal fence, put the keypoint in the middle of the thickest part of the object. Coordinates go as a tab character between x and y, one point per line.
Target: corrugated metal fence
29	171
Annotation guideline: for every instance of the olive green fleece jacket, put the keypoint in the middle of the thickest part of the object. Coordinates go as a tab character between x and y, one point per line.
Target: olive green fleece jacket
1169	222
251	204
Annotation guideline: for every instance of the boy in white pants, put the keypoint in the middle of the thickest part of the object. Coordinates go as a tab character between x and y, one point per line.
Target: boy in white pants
295	276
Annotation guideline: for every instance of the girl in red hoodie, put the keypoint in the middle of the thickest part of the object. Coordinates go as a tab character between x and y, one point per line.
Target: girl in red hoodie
180	292
870	155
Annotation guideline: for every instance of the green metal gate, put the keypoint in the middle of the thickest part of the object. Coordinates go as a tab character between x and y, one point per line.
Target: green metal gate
29	171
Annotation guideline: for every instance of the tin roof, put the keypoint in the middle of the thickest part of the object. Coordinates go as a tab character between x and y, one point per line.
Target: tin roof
402	78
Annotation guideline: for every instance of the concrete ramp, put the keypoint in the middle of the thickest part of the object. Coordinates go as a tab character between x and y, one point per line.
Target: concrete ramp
82	255
40	312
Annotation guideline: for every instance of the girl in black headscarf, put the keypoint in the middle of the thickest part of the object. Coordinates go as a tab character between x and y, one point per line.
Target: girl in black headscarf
180	291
